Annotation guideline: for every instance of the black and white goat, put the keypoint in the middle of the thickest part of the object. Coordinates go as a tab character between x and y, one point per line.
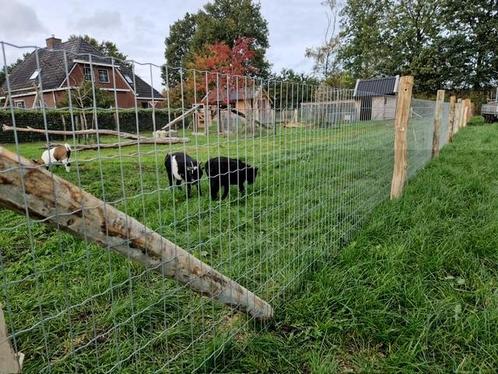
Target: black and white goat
224	171
56	156
180	167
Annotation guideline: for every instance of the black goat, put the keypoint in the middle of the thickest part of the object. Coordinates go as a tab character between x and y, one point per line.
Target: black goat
224	171
183	168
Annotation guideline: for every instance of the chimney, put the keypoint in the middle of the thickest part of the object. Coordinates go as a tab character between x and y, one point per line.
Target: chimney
53	42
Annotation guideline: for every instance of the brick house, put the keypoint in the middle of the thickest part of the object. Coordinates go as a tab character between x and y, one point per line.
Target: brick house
81	59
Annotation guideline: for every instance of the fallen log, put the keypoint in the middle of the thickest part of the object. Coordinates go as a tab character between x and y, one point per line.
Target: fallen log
121	134
89	147
27	189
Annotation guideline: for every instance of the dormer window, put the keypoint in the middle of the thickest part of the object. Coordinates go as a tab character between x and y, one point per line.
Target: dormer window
87	71
128	79
35	74
103	76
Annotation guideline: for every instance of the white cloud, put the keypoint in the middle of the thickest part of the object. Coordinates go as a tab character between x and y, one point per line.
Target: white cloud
99	20
18	21
139	32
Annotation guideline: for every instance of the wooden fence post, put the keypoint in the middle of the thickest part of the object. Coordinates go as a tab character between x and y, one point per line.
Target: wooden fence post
437	123
24	186
458	112
462	114
403	102
451	118
9	360
468	114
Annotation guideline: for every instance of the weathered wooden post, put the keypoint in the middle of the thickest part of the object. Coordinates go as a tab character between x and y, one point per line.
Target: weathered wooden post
10	362
451	118
458	116
462	114
26	187
403	103
437	123
467	112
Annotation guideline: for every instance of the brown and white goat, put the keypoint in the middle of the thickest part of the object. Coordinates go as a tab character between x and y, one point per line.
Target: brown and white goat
57	155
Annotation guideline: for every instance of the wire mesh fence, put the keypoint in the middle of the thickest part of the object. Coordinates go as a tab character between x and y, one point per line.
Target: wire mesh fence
278	175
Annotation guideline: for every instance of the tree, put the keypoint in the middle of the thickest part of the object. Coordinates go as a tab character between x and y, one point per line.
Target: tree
82	97
444	44
287	89
470	50
325	56
177	51
106	47
363	50
221	67
220	21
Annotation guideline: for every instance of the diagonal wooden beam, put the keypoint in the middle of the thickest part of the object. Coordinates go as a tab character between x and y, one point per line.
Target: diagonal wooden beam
29	189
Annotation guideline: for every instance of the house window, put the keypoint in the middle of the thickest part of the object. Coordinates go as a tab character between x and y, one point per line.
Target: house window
19	104
88	73
103	76
128	79
35	74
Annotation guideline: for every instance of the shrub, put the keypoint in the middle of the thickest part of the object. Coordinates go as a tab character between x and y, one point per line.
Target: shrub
58	119
476	121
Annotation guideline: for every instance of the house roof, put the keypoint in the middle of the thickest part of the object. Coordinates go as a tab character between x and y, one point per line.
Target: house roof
244	93
376	86
53	72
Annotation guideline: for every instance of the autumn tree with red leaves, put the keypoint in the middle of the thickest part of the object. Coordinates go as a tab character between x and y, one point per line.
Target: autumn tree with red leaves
220	67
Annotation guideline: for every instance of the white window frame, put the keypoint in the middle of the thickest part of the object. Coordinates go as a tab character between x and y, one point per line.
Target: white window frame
106	74
17	102
87	69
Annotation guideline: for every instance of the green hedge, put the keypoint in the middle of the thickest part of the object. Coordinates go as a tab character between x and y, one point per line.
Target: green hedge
106	120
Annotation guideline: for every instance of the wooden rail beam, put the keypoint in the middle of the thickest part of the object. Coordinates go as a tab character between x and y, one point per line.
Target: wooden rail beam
27	188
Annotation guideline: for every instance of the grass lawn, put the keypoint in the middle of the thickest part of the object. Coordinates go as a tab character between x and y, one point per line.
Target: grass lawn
417	289
73	307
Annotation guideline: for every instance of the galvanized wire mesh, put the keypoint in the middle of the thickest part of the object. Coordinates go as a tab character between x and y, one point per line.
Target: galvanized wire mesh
420	133
324	160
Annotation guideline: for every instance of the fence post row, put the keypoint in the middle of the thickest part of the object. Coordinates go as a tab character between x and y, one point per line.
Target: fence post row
403	103
26	187
437	123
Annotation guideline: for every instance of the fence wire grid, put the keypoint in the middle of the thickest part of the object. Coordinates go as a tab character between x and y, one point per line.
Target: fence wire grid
323	164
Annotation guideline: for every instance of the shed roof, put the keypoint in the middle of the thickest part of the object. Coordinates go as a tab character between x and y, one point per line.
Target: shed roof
53	72
376	86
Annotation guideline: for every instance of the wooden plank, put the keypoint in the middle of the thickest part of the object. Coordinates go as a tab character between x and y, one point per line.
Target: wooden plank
403	103
451	118
437	123
9	362
90	147
125	135
61	203
180	117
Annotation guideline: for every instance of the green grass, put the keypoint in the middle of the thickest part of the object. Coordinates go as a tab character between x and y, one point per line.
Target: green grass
74	307
417	289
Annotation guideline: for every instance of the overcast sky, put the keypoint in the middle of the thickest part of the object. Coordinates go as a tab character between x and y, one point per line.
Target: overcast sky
139	28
